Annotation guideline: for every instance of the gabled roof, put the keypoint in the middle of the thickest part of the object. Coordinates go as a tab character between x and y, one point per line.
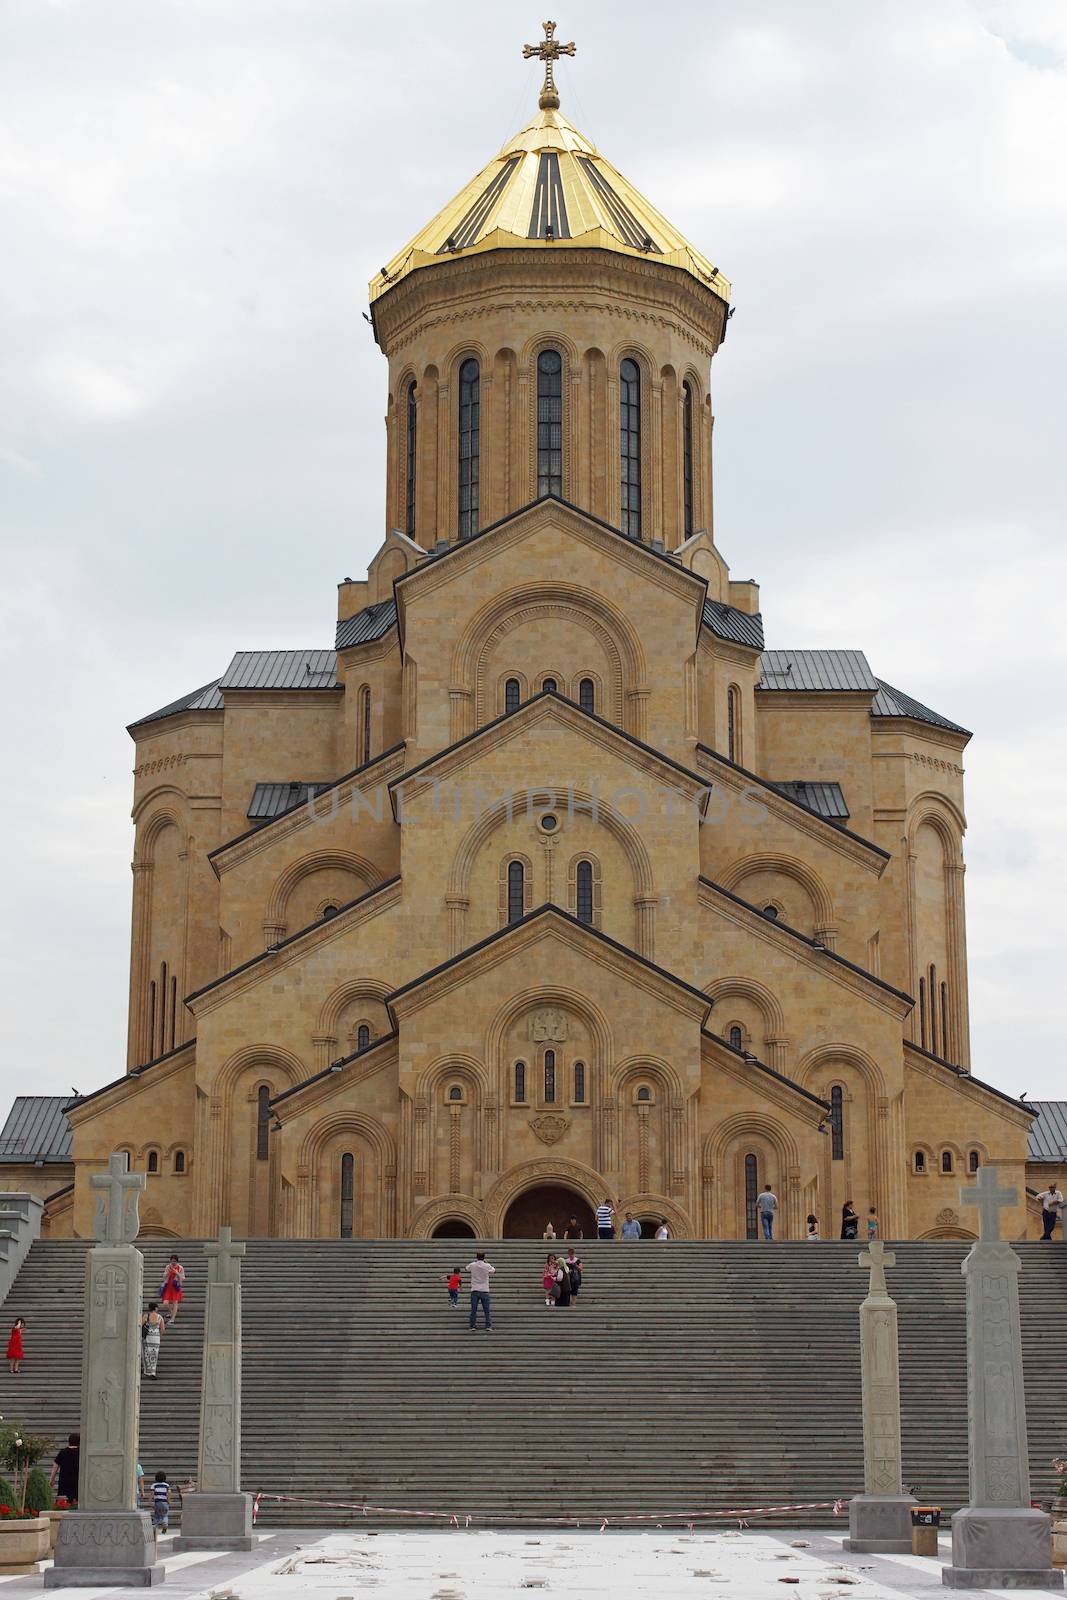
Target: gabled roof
1048	1131
825	799
373	622
271	800
281	669
206	698
36	1130
890	702
727	622
807	670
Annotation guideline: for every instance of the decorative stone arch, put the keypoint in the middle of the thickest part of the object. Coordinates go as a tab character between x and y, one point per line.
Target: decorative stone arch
456	1064
319	860
816	1064
501	1064
448	402
336	1001
152	825
457	1208
679	1220
736	1129
651	390
650	1066
947	821
823	1055
570	378
652	1120
380	1187
597	883
503	873
625	834
919	1146
766	1003
964	1235
502	682
213	1185
788	867
568	1174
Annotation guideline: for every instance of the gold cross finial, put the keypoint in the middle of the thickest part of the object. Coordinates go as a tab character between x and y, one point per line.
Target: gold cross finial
548	51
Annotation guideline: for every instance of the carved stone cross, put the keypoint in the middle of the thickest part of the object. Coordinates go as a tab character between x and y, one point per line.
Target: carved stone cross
990	1198
116	1220
877	1257
224	1258
549	51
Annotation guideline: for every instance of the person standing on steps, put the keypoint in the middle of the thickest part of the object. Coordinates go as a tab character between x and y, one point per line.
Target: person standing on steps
453	1279
548	1280
481	1272
173	1287
850	1221
605	1221
563	1284
152	1330
631	1228
1051	1202
574	1267
813	1228
663	1231
872	1224
14	1344
64	1474
767	1205
573	1230
160	1505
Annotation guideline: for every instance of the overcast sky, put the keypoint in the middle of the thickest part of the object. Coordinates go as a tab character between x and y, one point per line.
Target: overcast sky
193	196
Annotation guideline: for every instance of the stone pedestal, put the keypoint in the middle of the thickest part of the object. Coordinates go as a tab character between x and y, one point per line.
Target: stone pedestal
1059	1544
216	1522
97	1549
998	1547
880	1523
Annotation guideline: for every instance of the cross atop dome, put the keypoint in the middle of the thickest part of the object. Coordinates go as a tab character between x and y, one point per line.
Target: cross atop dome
549	51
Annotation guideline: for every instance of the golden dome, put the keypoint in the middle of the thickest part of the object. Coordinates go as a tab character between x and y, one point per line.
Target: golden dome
549	188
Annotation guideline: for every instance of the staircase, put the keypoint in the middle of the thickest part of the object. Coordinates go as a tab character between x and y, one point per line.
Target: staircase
691	1376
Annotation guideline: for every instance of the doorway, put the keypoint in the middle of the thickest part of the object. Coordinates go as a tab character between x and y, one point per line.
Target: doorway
529	1213
453	1228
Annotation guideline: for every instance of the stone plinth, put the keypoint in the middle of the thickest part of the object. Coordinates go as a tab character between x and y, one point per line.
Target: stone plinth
23	1546
216	1522
101	1548
998	1547
1059	1544
879	1520
880	1523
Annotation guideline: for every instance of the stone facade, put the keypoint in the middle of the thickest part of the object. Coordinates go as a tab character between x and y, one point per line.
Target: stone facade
337	1025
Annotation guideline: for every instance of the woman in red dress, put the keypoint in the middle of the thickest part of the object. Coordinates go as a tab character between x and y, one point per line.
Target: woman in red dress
173	1287
14	1344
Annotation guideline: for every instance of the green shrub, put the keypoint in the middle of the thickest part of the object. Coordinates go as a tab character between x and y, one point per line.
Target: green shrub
7	1495
38	1491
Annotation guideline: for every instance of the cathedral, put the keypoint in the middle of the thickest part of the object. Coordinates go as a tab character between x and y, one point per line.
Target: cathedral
548	883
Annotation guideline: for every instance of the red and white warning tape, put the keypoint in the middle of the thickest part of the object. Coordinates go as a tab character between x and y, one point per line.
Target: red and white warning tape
454	1519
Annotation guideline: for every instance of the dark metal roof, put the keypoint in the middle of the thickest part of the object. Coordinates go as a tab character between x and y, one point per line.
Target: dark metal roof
890	702
272	799
373	622
36	1129
207	698
1048	1131
816	669
825	799
548	219
739	627
281	669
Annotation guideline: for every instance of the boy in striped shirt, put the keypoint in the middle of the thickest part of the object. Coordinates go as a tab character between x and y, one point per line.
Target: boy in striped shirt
605	1221
160	1505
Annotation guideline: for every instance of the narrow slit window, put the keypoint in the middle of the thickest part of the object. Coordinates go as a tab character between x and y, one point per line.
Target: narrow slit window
945	1050
920	1161
470	432
163	994
579	1083
751	1191
263	1122
733	723
630	447
687	457
364	724
550	1077
587	695
837	1123
512	695
412	440
931	1001
549	424
583	886
520	1081
516	891
736	1038
922	1012
974	1161
179	1161
153	1160
946	1161
348	1193
362	1036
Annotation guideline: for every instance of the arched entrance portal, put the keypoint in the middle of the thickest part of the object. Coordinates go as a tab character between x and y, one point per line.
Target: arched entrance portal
528	1214
453	1228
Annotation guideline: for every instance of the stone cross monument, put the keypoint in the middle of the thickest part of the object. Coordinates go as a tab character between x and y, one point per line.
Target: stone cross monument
108	1540
998	1542
218	1516
880	1518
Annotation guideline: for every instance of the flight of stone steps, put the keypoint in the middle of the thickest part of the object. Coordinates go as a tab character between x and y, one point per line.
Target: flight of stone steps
690	1376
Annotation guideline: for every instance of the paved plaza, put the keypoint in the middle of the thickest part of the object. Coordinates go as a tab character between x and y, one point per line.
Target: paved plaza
474	1564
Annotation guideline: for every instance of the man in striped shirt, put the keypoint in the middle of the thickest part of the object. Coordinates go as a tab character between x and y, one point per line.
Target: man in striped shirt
605	1221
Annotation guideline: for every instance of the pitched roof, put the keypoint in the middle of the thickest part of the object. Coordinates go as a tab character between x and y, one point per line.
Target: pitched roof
1047	1139
808	670
890	702
206	698
36	1129
373	622
825	799
281	669
272	799
739	627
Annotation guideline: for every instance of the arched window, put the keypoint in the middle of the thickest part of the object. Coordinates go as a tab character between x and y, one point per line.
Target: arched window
363	726
587	695
974	1161
771	913
549	686
736	1037
946	1161
644	1093
920	1161
413	418
362	1036
348	1191
262	1122
751	1191
151	1020
329	912
456	1092
922	1012
126	1162
174	1008
512	694
733	723
945	1050
153	1160
179	1161
837	1124
470	430
579	1082
630	447
550	1077
163	994
931	1000
687	458
520	1080
549	423
516	891
583	885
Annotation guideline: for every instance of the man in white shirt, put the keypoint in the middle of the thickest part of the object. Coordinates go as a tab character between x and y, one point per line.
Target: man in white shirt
767	1205
480	1272
1051	1203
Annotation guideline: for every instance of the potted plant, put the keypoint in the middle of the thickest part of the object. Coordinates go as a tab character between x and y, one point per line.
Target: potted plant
24	1536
